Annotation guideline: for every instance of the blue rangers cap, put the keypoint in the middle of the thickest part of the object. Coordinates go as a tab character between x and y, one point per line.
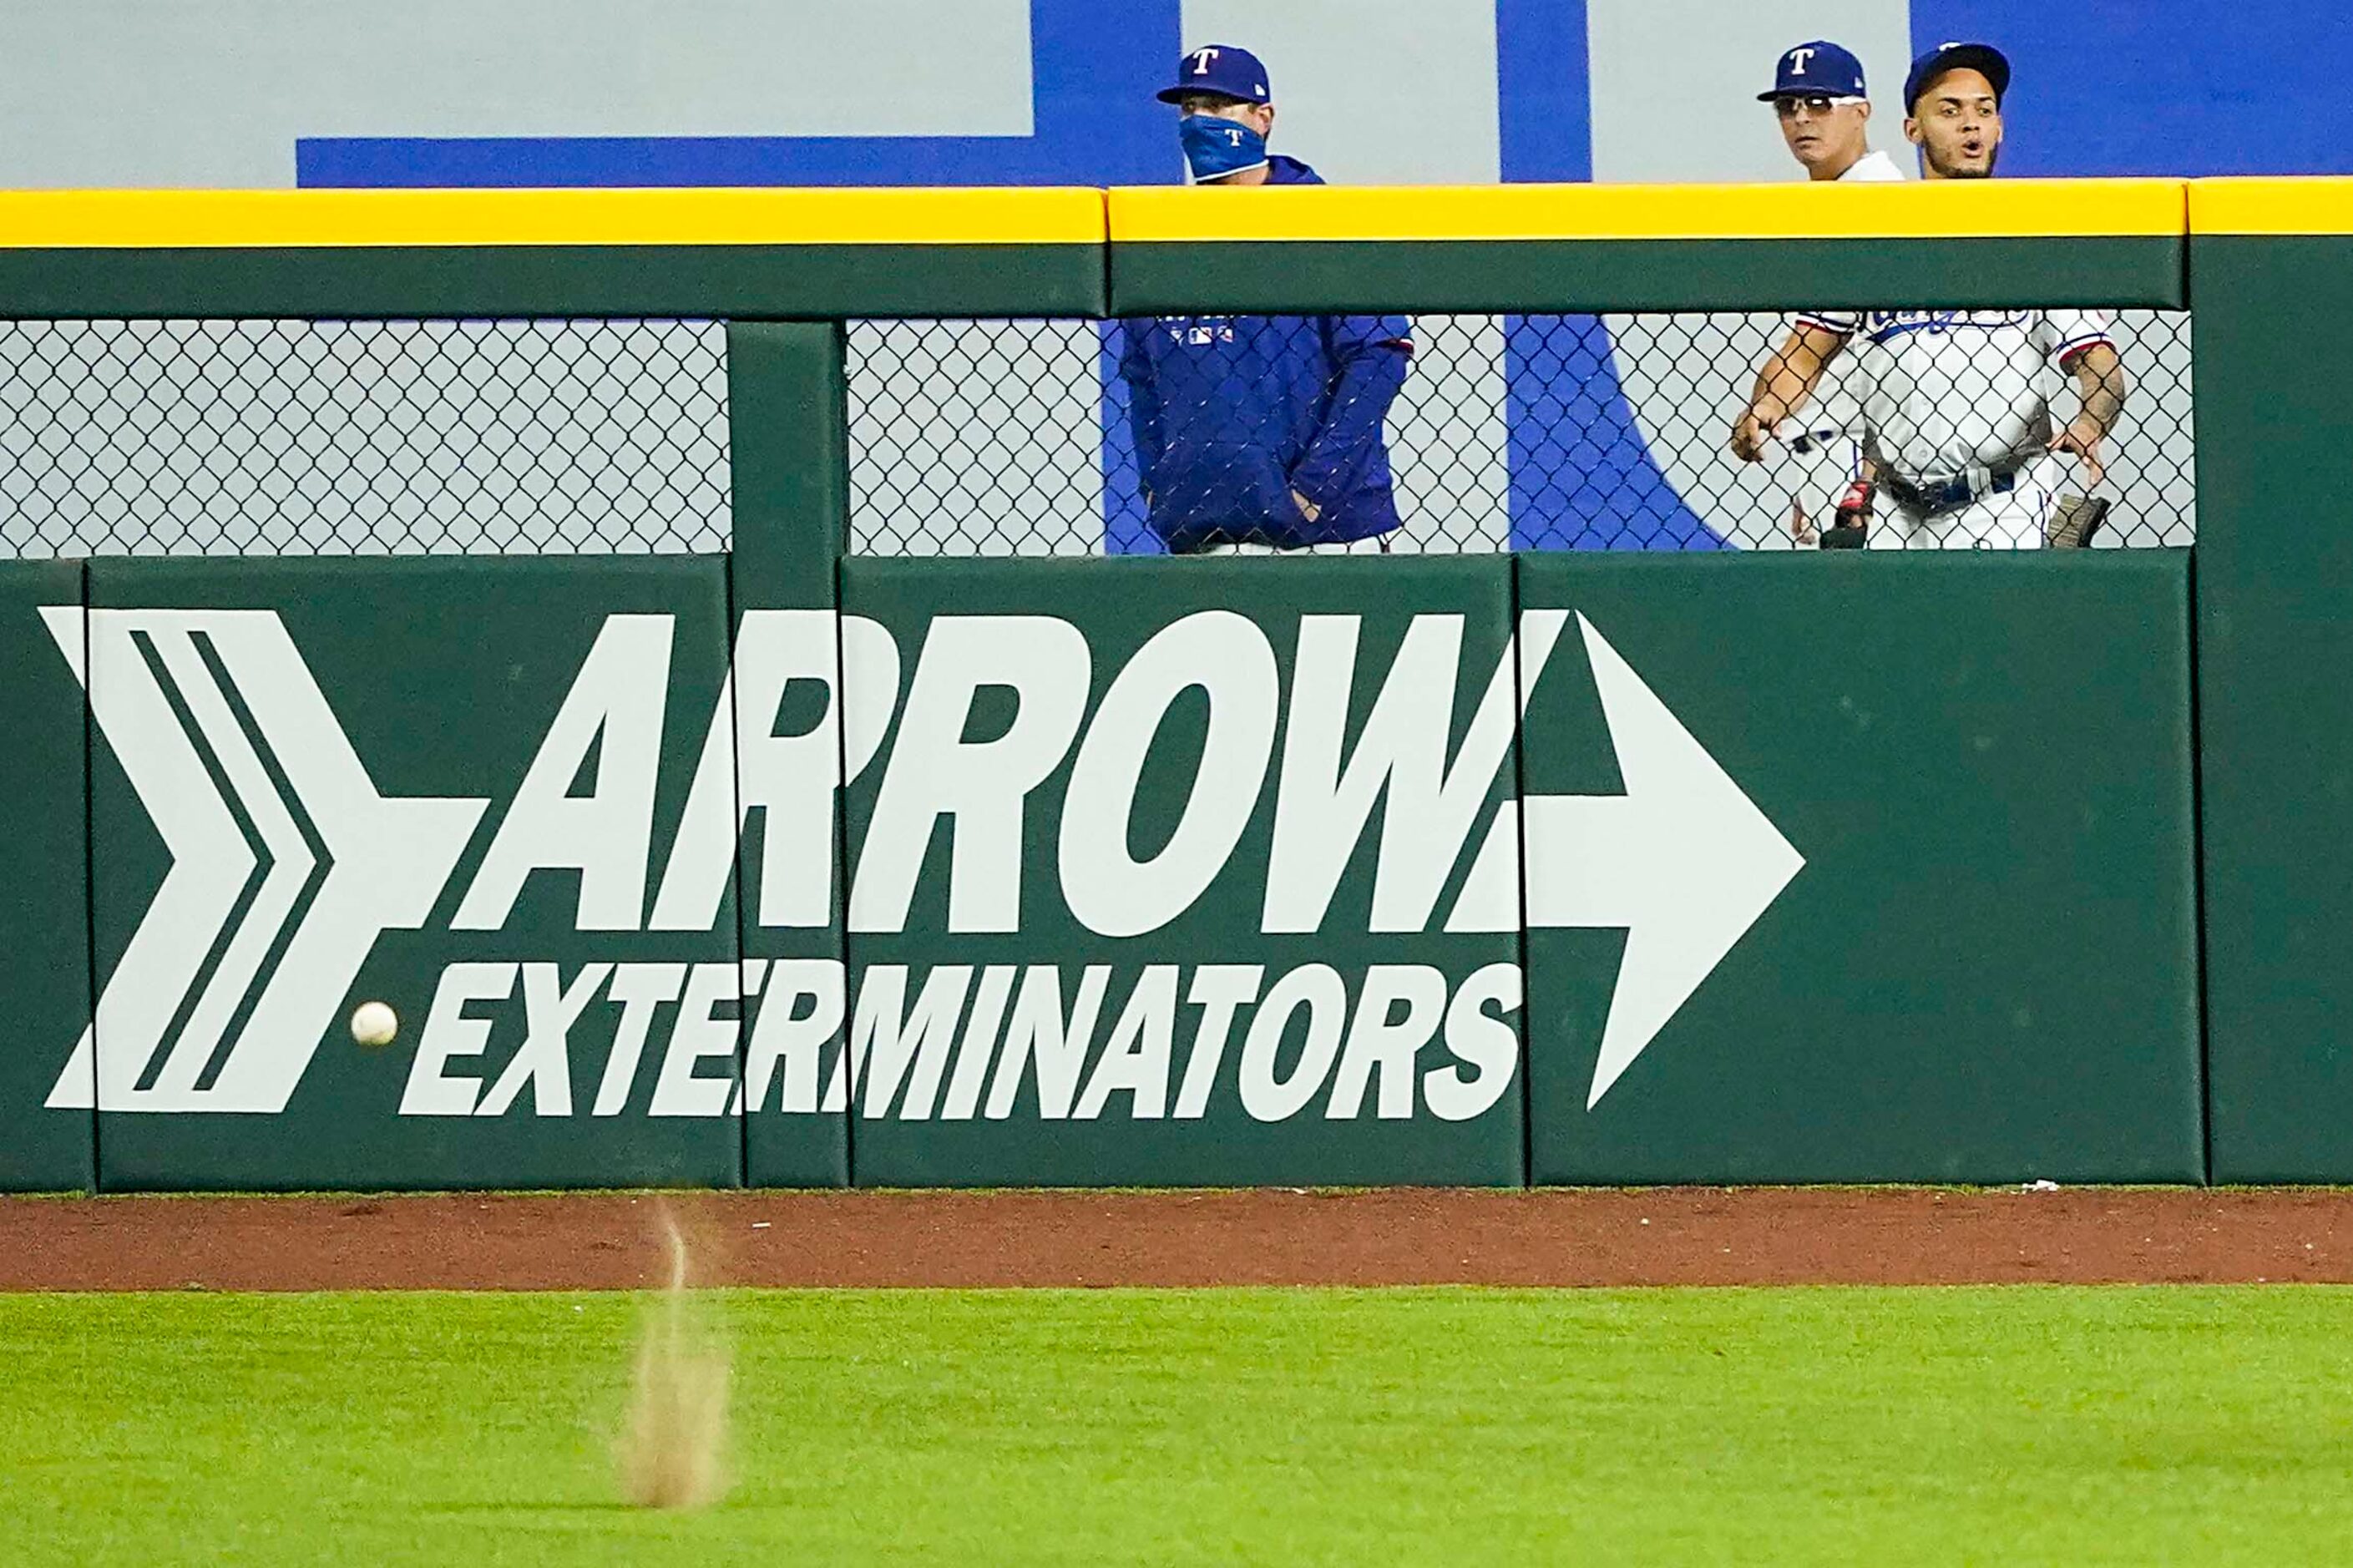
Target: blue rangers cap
1983	58
1816	70
1219	69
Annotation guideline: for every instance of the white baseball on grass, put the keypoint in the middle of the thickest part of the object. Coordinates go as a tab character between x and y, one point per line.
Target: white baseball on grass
374	1024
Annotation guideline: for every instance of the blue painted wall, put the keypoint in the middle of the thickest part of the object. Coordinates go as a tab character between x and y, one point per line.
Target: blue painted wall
1094	69
2103	87
2166	87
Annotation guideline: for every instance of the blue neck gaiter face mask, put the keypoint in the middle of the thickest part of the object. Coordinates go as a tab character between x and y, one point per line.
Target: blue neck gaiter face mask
1215	148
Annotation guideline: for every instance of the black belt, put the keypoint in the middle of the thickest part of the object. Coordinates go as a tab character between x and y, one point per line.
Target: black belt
1959	491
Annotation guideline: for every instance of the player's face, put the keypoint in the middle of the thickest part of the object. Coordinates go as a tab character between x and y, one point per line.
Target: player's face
1259	117
1957	125
1822	134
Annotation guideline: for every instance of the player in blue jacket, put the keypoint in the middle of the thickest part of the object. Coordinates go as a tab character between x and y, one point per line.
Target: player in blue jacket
1258	434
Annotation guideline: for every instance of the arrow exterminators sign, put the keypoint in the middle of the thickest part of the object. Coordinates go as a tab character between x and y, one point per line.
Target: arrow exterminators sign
288	863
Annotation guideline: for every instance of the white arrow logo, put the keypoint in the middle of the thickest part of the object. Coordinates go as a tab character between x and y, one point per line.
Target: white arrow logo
259	771
1683	862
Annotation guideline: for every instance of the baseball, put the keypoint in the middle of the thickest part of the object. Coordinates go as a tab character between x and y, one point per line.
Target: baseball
374	1024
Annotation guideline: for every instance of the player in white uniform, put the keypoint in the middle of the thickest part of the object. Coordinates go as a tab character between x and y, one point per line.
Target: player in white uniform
1824	110
1955	420
1957	416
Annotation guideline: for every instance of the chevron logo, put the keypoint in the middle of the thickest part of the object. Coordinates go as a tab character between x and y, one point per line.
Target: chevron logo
286	863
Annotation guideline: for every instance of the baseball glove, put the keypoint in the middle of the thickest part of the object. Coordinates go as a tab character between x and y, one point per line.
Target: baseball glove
1851	524
2073	521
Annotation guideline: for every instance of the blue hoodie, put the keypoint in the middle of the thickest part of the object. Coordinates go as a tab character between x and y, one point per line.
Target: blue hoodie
1231	414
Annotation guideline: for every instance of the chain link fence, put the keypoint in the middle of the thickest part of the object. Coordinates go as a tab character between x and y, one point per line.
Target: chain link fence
1612	431
1018	438
301	437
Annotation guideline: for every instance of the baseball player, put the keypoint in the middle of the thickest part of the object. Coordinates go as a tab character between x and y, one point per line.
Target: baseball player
1958	446
1259	434
1824	110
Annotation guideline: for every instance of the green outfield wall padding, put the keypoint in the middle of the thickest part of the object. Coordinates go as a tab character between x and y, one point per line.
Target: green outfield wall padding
1161	278
2275	676
851	281
471	789
47	1119
1155	866
752	282
1795	867
1985	970
788	435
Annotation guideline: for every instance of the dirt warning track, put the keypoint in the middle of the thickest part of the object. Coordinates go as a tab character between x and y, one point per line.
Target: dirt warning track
1399	1236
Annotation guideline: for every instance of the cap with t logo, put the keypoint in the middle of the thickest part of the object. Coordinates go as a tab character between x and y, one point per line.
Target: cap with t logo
1983	58
1817	69
1220	69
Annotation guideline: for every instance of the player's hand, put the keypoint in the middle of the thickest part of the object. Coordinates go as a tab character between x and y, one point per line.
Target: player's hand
2083	441
1801	527
1750	435
1311	511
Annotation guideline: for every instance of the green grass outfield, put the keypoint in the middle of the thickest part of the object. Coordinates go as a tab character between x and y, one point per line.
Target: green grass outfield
1997	1425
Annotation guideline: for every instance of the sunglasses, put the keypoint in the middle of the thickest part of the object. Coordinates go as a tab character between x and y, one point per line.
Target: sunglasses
1814	103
